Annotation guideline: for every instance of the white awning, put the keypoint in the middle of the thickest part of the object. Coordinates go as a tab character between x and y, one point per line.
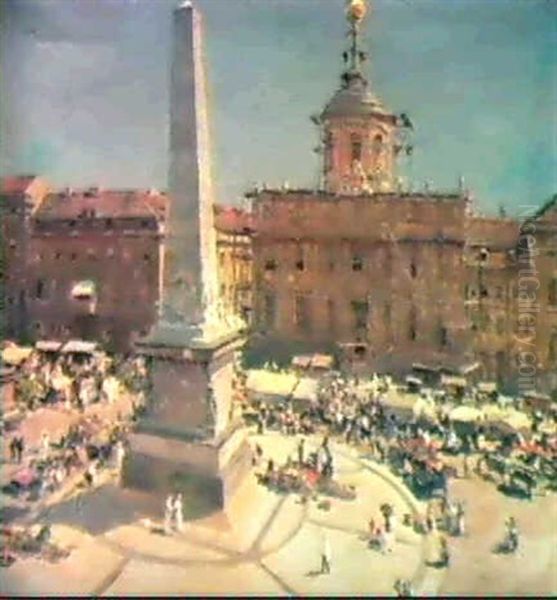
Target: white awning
48	345
447	380
322	361
303	361
79	347
84	289
264	382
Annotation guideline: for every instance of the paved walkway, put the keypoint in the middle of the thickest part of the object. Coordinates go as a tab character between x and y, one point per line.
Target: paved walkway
270	544
273	548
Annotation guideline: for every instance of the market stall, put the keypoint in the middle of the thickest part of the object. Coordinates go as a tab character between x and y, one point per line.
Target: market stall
266	385
16	355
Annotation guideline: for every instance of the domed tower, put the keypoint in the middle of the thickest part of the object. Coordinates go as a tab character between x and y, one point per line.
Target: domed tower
360	138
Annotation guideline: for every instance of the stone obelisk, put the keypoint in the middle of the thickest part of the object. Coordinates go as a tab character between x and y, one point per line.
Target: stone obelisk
187	441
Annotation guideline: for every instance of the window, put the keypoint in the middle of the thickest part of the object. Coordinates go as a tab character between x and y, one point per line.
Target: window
269	310
57	255
300	264
302	313
412	329
146	257
360	311
484	293
38	326
552	354
331	315
270	264
145	223
483	255
40	289
73	256
72	223
443	337
413	270
357	263
552	294
108	223
377	144
356	147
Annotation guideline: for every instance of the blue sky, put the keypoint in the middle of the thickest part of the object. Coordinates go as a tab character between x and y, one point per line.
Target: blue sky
84	93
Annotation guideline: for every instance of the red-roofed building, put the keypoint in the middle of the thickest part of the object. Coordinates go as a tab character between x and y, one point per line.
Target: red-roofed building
19	198
94	265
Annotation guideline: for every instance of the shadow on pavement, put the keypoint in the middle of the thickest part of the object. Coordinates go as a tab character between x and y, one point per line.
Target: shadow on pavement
100	510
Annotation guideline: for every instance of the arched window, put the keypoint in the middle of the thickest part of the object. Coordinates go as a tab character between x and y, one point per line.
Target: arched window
377	144
356	146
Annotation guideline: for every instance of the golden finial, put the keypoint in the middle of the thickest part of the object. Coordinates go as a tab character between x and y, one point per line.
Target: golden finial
356	11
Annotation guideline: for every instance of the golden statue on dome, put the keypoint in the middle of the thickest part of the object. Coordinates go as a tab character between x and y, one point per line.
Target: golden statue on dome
356	11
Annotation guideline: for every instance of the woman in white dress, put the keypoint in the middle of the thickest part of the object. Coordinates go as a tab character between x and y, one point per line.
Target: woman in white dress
179	512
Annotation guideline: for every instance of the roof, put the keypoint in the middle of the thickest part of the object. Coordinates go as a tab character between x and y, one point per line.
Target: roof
28	185
230	219
103	204
354	99
17	184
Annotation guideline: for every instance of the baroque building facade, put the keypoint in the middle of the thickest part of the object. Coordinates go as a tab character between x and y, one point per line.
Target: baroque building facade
88	264
391	278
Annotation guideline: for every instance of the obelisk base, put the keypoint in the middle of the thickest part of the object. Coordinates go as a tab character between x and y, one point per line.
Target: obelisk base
187	441
207	473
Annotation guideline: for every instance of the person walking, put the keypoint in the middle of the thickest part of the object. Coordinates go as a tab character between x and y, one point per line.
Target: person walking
301	452
444	555
45	445
326	556
178	508
168	510
460	527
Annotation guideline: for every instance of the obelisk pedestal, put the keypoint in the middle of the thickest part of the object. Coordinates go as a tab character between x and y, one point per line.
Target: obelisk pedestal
187	441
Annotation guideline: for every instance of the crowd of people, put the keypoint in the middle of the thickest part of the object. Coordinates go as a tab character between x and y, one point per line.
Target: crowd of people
421	448
77	380
90	443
